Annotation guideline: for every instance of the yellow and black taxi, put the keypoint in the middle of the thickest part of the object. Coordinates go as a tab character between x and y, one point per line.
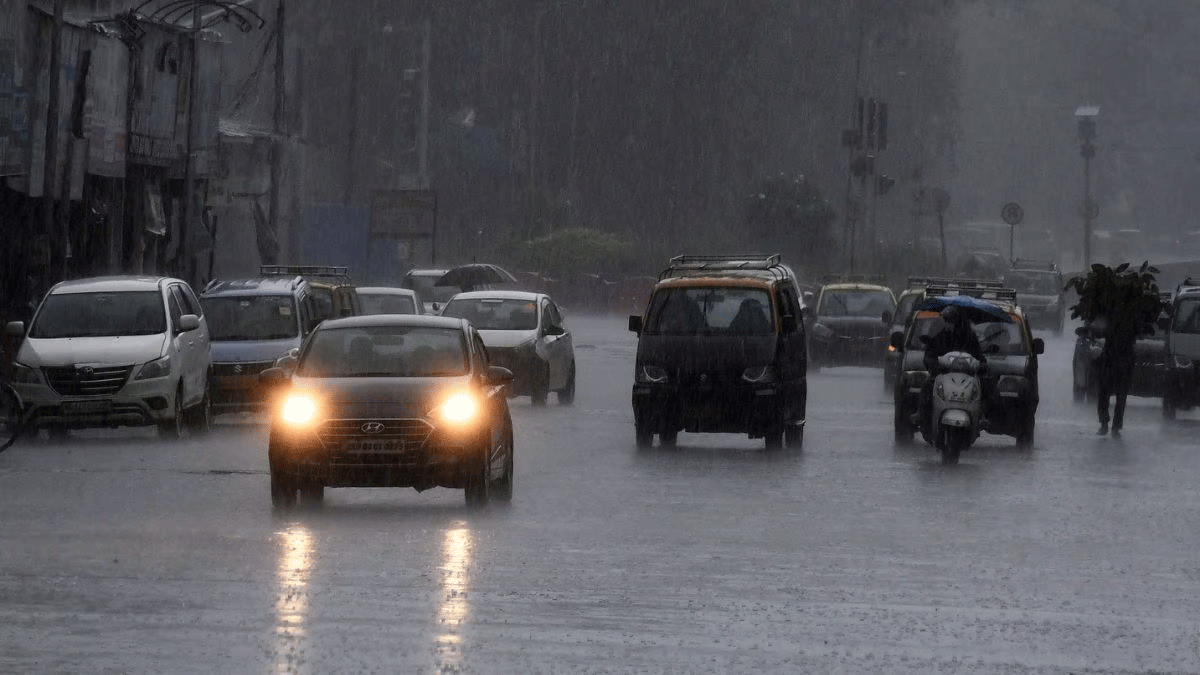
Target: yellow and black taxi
850	323
1010	383
391	401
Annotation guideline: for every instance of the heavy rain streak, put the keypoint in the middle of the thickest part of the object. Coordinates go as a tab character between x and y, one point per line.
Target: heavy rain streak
785	336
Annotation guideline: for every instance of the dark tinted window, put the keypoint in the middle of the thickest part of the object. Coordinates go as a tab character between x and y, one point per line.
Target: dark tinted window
855	302
251	317
387	303
65	315
385	351
709	310
494	313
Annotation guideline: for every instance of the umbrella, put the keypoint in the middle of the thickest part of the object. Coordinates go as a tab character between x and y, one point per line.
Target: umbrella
975	309
477	274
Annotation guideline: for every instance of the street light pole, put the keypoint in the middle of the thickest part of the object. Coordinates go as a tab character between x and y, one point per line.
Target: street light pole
1086	116
184	250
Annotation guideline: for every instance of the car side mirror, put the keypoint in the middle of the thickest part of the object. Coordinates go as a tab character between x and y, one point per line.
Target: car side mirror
788	323
273	377
15	329
887	317
437	307
497	376
897	340
188	322
1039	346
555	330
635	324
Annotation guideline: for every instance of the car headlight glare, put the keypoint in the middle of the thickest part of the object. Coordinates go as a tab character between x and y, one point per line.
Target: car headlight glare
299	409
651	373
157	368
459	408
23	374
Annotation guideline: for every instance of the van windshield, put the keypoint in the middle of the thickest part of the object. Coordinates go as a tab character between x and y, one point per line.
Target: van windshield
709	310
100	314
251	317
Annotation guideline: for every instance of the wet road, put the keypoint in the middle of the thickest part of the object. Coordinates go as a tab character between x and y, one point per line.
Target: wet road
121	553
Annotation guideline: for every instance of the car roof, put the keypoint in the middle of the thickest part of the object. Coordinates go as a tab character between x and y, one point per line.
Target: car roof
252	286
376	320
498	294
112	283
386	290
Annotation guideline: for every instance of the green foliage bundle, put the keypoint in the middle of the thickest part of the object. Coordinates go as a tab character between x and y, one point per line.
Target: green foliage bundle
575	250
1127	298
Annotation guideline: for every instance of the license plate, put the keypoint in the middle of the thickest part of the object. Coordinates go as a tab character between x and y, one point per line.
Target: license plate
85	407
393	445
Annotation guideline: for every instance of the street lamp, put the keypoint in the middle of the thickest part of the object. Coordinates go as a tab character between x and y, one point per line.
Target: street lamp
1086	118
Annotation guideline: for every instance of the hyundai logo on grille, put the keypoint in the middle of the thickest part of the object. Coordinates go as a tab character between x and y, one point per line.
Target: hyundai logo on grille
372	427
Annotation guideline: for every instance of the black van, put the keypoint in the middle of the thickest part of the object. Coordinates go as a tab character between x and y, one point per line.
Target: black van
721	349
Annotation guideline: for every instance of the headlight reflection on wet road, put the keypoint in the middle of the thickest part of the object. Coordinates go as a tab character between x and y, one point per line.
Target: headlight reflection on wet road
454	606
291	598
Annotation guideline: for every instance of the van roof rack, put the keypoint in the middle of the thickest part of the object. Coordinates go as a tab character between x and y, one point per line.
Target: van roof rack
686	265
305	270
1034	264
984	289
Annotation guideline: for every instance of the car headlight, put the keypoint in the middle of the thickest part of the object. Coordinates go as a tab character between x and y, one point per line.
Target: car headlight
299	410
23	374
1182	361
650	373
760	374
157	368
459	408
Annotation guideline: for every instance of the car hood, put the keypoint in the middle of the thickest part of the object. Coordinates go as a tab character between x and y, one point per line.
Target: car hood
110	350
250	351
506	338
721	358
354	397
856	326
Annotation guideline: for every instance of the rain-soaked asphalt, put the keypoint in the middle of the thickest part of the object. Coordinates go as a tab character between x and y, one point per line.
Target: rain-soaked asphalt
119	553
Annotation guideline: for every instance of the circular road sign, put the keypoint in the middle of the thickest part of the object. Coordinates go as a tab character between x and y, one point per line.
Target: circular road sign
1012	213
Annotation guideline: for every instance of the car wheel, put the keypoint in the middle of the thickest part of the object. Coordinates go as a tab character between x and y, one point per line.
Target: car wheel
1168	405
312	493
668	439
199	418
173	428
540	387
478	486
502	489
793	435
566	395
904	431
1025	433
283	490
953	442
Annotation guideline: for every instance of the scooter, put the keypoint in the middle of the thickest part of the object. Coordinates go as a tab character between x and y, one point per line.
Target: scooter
957	410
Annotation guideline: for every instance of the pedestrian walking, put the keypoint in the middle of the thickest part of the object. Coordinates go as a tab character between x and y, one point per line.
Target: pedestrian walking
1114	370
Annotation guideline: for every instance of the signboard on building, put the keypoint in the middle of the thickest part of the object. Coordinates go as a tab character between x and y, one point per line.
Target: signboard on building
155	99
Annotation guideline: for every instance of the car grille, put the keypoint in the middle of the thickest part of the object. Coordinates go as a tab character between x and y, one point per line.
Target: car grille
335	433
87	380
235	369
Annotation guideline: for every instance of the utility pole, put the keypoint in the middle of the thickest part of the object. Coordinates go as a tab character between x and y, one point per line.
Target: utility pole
423	128
51	156
183	255
277	126
852	139
352	132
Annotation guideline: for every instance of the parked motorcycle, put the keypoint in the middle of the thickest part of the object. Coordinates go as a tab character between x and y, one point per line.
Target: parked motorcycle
956	412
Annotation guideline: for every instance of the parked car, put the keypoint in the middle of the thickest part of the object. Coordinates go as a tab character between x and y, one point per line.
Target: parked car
253	323
721	349
1181	355
850	324
391	400
1010	384
523	332
332	287
1040	292
115	351
390	300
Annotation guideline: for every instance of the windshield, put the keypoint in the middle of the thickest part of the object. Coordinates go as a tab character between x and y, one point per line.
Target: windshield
251	317
494	313
424	286
904	307
1007	338
1041	283
68	315
839	302
710	310
384	351
1187	317
387	303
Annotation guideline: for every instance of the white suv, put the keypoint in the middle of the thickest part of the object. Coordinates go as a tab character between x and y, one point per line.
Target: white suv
115	351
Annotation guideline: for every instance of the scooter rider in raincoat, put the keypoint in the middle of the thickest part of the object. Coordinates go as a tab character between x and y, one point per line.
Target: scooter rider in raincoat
956	335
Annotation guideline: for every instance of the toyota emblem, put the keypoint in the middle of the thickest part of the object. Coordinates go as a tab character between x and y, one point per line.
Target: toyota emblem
87	371
372	427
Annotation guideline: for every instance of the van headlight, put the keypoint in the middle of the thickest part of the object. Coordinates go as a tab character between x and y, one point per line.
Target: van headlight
23	374
156	368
